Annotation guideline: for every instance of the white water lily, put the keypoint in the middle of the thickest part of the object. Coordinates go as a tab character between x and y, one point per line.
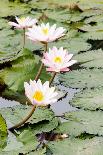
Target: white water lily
58	60
40	94
23	23
45	33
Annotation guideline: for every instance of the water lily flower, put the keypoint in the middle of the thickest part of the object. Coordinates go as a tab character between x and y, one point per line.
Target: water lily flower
23	23
45	33
40	94
58	60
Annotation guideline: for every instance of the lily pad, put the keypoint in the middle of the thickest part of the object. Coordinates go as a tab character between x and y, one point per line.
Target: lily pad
73	45
76	146
82	122
16	113
91	99
83	78
91	59
7	8
16	145
94	35
3	132
23	69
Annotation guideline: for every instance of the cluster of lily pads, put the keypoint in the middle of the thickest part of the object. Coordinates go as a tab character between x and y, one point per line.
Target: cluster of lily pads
82	118
55	59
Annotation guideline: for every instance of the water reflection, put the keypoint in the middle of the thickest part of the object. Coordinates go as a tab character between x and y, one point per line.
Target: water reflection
59	107
7	103
63	105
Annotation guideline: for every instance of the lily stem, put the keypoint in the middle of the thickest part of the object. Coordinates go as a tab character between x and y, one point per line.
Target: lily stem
41	66
52	78
23	37
24	120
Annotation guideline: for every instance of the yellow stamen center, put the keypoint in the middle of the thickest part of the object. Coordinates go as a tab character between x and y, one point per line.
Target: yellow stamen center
38	95
22	19
45	31
58	60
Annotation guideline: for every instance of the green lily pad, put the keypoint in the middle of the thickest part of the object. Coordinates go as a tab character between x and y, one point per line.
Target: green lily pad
82	122
16	113
91	59
3	132
92	146
23	69
94	35
73	45
91	99
84	78
16	145
96	18
7	8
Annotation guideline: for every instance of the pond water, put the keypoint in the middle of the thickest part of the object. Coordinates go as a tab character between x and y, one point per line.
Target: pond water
7	103
59	107
63	105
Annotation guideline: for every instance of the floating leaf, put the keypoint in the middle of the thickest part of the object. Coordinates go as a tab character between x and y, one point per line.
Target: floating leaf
3	24
86	4
16	113
64	15
16	145
91	12
63	3
7	8
74	45
92	28
89	99
23	69
96	18
82	122
7	57
94	35
3	132
91	59
44	126
61	16
82	78
39	152
76	146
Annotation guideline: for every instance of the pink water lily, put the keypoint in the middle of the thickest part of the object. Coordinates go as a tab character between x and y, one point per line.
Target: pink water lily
37	93
45	33
23	23
58	60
